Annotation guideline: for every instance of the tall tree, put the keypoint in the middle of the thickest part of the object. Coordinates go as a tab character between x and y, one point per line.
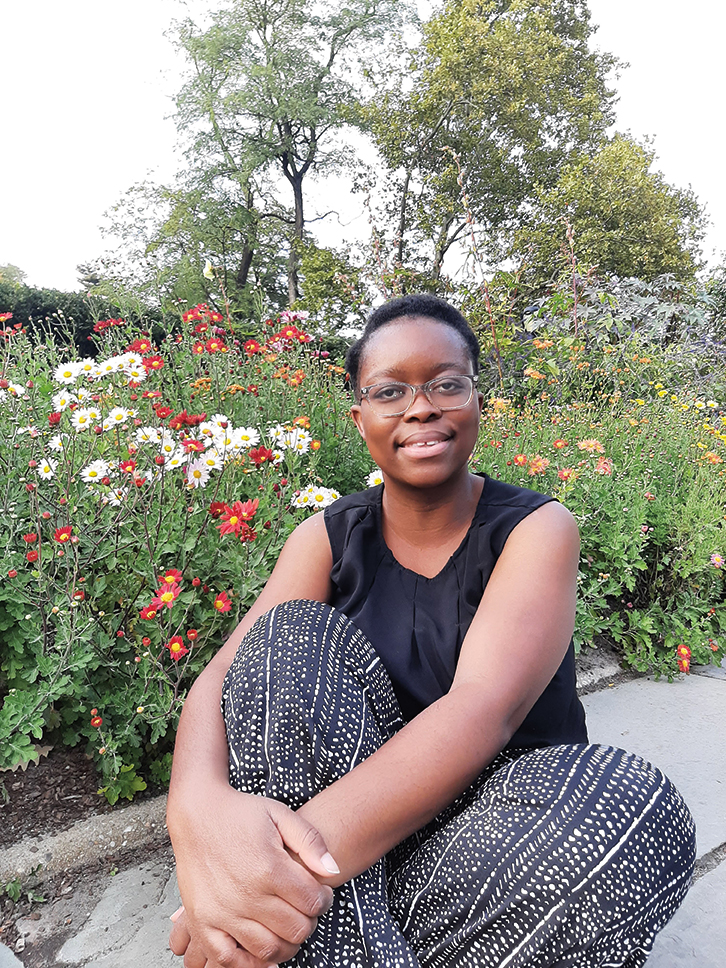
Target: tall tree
271	81
510	86
624	216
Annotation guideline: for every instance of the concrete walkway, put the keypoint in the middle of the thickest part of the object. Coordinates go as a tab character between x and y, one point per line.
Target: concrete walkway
122	921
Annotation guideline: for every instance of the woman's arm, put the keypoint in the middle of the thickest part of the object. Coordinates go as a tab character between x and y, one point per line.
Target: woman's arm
515	644
236	877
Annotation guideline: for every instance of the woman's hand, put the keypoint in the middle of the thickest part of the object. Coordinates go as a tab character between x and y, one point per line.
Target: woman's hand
250	873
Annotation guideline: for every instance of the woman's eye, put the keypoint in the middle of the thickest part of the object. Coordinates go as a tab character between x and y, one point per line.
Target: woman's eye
390	391
451	385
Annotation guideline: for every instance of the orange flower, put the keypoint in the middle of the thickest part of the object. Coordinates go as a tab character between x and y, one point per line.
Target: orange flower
712	457
567	474
559	443
604	466
538	465
520	460
683	657
591	445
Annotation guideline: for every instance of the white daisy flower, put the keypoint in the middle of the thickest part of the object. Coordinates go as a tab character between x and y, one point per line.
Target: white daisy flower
197	474
277	434
87	367
148	435
298	440
375	477
62	400
220	420
46	469
16	389
117	416
211	458
206	430
81	419
96	470
136	374
57	442
249	437
67	372
116	497
177	459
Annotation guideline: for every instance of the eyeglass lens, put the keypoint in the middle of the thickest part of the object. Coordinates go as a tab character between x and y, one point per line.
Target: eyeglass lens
448	393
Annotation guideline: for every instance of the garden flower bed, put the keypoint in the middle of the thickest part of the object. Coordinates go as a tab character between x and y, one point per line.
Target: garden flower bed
148	489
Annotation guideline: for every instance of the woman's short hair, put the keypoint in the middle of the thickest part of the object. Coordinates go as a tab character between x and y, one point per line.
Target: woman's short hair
431	307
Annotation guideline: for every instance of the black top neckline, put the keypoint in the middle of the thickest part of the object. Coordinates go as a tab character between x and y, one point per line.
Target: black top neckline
377	505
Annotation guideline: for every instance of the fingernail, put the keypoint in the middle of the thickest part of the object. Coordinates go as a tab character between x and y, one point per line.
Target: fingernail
329	864
177	914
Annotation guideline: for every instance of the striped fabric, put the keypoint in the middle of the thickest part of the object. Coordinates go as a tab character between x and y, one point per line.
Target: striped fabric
566	856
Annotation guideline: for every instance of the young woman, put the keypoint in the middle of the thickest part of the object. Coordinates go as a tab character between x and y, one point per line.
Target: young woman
400	774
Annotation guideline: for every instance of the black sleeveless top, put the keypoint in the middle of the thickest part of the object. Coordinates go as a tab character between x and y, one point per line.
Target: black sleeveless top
417	624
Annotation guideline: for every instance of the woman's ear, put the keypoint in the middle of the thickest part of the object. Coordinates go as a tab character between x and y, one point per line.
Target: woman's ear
357	415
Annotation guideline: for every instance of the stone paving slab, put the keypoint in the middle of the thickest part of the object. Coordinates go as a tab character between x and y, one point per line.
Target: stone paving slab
129	927
679	727
696	936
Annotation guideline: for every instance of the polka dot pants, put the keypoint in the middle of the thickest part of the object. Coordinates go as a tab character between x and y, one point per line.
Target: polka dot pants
567	856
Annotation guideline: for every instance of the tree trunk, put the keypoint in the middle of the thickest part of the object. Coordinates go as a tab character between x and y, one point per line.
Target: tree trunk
293	283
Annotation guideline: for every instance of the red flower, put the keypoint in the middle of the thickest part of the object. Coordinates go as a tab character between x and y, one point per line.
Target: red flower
198	348
566	474
177	422
258	455
222	602
32	556
30	538
192	446
194	419
196	582
166	595
149	612
146	641
520	460
246	533
171	577
176	647
63	534
559	443
214	345
54	418
202	328
127	465
79	595
12	573
162	412
139	346
234	517
683	657
96	721
192	634
251	347
216	509
153	362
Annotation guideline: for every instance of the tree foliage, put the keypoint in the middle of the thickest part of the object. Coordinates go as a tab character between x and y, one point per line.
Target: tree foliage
271	82
510	86
626	220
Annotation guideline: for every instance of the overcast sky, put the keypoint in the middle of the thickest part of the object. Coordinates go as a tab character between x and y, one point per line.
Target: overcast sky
89	84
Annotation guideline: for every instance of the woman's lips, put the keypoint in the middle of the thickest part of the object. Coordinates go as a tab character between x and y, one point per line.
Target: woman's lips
425	446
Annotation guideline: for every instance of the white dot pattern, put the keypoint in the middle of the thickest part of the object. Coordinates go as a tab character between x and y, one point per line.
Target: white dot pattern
561	857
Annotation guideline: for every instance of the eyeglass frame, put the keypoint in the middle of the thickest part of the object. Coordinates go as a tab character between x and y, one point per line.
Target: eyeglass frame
415	387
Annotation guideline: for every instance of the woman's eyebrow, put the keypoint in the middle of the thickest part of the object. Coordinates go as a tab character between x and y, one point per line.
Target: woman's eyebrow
393	371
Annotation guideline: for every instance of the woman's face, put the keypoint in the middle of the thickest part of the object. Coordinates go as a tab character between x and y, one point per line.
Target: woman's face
424	446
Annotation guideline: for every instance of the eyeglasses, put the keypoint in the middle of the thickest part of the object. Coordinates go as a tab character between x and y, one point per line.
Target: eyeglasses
444	393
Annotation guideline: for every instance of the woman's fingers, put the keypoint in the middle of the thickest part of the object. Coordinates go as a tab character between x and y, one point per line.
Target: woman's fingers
303	839
179	936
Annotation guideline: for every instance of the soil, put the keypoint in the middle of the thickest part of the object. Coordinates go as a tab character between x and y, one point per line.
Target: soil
50	795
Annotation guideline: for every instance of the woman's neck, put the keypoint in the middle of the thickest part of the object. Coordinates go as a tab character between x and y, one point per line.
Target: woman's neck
423	528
